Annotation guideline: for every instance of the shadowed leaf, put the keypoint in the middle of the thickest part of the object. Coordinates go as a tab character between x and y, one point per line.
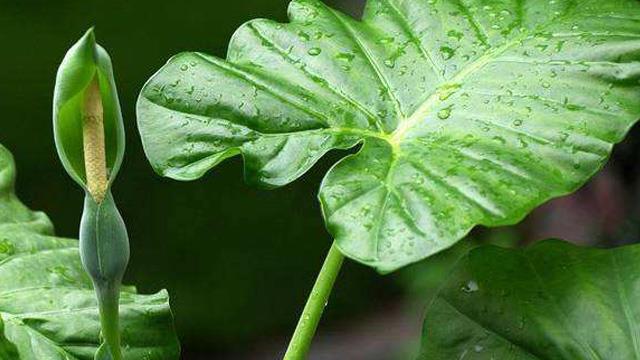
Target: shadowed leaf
553	300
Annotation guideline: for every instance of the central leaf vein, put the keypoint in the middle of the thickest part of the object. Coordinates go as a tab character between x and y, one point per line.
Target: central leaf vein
370	59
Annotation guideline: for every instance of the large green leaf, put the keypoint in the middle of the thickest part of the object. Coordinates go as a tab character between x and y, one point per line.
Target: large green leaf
469	111
553	300
47	302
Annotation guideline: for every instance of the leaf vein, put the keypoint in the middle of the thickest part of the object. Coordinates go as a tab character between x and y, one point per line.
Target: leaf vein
370	59
562	315
437	69
485	207
333	90
252	79
623	297
521	346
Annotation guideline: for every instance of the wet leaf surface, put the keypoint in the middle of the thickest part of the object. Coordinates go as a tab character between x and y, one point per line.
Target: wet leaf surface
469	112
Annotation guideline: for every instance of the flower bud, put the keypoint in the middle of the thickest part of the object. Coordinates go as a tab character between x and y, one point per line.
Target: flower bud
85	94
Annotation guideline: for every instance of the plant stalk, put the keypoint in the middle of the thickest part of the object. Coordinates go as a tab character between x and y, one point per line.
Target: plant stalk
108	300
308	323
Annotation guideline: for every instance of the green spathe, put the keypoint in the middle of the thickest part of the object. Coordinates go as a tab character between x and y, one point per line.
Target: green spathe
552	300
468	113
82	63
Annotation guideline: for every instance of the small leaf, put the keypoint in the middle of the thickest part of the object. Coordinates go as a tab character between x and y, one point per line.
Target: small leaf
469	112
84	63
553	300
47	301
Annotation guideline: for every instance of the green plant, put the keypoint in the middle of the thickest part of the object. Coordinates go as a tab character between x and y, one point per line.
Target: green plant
553	300
89	137
468	113
48	308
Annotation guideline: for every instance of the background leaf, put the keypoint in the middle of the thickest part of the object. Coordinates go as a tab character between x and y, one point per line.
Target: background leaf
47	302
553	300
470	112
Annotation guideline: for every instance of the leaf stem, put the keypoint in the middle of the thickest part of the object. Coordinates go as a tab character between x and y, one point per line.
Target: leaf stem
108	300
308	323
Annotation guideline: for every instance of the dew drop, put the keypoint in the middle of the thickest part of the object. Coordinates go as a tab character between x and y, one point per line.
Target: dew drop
470	287
455	34
314	51
444	114
447	52
304	36
390	63
345	57
6	247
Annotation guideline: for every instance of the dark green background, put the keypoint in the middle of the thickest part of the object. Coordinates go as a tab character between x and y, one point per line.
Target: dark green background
238	262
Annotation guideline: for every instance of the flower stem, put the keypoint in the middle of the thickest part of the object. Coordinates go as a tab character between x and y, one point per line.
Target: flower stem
108	299
308	323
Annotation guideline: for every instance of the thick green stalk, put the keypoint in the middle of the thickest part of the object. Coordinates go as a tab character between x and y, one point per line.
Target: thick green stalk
308	323
108	299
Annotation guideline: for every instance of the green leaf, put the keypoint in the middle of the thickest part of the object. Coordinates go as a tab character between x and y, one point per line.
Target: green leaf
7	349
47	302
83	62
553	300
469	112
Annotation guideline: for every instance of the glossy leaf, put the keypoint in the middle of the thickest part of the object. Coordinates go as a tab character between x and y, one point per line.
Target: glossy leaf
47	302
469	112
553	300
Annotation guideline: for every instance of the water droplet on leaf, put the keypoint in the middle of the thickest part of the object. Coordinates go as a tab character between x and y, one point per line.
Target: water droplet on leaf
444	113
314	51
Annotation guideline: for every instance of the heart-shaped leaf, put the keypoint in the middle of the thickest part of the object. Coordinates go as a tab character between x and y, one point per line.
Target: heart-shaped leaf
47	302
553	300
470	112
